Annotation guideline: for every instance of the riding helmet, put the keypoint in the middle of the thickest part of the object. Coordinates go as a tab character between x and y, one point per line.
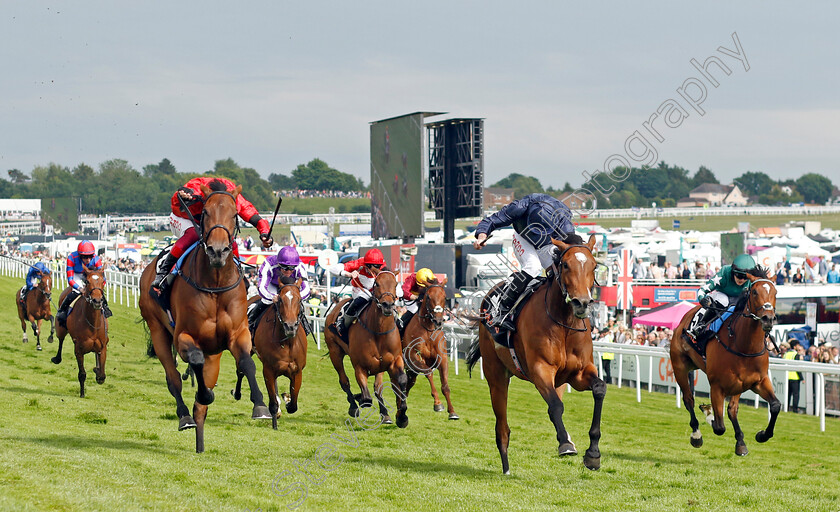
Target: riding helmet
86	248
374	257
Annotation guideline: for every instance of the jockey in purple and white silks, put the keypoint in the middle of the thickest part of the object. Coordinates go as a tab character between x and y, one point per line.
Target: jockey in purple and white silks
284	268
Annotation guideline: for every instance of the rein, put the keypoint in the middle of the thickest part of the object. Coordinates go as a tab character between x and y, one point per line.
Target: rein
563	291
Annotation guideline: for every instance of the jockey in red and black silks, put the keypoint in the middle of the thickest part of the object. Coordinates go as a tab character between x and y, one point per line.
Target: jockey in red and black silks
191	196
362	272
82	258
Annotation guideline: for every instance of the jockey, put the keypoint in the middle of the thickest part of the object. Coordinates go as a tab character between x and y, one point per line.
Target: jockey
536	219
363	272
79	260
182	226
722	290
283	268
414	285
36	271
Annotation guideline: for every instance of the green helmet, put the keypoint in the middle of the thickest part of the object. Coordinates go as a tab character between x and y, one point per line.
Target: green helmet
743	263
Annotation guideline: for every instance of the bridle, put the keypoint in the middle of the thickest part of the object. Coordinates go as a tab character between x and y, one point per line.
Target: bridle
749	314
764	307
289	331
430	313
558	278
42	287
202	234
377	299
88	296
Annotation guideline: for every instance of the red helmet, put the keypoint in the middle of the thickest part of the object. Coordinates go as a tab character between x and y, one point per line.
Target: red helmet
86	248
374	257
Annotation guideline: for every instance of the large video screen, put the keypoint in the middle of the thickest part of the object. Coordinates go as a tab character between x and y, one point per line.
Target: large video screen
396	177
62	212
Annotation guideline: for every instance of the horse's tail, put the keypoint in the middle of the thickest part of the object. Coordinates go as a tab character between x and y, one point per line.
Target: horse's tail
474	321
150	349
473	354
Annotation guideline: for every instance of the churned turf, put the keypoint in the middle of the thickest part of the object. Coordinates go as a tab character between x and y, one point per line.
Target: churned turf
118	449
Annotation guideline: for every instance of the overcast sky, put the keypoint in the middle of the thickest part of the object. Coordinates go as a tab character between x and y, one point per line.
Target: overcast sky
273	84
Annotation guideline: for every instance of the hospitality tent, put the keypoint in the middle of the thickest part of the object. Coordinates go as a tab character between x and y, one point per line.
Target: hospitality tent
668	315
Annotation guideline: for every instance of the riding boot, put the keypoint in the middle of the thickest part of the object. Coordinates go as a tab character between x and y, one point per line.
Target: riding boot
512	292
404	320
708	315
159	284
61	315
254	312
23	293
105	309
355	307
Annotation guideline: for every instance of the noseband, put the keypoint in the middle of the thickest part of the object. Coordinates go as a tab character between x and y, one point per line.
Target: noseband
430	312
279	320
558	270
377	299
204	234
765	307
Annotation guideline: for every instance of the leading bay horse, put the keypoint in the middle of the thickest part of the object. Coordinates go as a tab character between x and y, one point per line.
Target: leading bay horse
36	309
374	348
209	311
424	346
280	342
87	326
553	346
736	361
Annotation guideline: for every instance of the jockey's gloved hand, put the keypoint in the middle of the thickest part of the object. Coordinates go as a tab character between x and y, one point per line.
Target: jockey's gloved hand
267	241
706	301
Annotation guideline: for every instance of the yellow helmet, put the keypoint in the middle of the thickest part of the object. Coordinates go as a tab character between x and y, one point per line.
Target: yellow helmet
423	276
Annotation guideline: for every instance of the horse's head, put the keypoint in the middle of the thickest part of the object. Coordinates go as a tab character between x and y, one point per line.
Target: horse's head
385	291
575	267
761	304
434	299
218	222
94	293
287	302
45	285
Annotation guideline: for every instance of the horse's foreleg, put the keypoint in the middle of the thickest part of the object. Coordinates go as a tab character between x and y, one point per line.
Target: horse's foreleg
36	328
543	377
271	388
80	360
384	413
162	343
52	329
732	412
100	364
237	393
438	407
765	391
398	376
686	384
189	351
718	398
337	358
498	381
241	350
295	381
208	378
57	359
443	371
588	379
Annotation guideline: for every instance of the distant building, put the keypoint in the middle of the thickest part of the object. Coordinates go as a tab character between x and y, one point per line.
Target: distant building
686	202
719	195
496	197
578	201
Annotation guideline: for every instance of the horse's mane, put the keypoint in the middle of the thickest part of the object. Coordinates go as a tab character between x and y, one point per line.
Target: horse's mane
287	280
570	239
759	272
217	185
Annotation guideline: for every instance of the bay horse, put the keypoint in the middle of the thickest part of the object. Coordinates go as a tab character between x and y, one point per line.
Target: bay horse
87	326
374	348
209	312
37	309
424	345
280	342
736	361
552	345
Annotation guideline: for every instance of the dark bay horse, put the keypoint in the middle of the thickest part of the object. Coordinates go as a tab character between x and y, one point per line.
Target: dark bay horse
280	342
553	345
374	348
736	361
87	326
424	346
209	310
37	309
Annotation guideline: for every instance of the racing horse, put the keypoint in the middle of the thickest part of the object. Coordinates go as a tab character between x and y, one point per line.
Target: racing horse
374	348
36	309
87	326
208	310
735	363
424	345
280	342
552	345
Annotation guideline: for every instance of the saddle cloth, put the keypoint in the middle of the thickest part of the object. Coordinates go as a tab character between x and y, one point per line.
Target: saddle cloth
500	336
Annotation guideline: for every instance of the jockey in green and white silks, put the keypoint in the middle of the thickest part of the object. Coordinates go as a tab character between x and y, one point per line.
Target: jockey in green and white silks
722	290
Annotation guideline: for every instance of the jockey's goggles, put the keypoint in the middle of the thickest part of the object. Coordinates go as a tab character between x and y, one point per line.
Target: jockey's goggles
739	275
288	267
374	265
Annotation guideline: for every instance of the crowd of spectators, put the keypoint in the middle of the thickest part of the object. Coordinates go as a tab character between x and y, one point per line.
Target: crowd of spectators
323	193
616	332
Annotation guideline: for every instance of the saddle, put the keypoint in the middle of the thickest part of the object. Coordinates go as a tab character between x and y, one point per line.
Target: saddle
501	336
710	331
163	298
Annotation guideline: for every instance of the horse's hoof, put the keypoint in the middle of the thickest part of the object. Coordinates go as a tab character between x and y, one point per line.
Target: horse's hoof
454	416
762	437
38	348
741	450
697	442
353	411
386	420
50	339
205	398
235	395
56	360
100	381
402	420
260	413
186	422
291	408
567	449
593	463
439	408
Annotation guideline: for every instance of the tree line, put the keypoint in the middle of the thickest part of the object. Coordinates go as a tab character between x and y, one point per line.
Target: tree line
116	187
666	184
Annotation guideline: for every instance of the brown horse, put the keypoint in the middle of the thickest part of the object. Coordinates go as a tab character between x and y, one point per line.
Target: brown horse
374	348
36	309
424	346
87	326
280	342
737	362
209	311
553	346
